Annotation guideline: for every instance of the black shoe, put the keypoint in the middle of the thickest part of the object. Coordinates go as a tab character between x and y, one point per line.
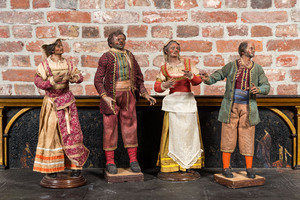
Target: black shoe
135	167
75	173
250	173
227	173
111	168
52	175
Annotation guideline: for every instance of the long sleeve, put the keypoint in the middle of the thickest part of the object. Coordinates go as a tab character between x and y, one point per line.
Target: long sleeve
41	80
76	76
160	78
100	74
263	83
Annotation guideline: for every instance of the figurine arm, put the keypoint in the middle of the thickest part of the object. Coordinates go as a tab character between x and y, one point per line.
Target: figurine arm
100	74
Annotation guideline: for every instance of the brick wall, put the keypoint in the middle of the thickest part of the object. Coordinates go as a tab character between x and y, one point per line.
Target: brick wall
209	32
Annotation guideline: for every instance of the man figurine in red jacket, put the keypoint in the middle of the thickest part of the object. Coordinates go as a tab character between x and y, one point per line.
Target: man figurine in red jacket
119	81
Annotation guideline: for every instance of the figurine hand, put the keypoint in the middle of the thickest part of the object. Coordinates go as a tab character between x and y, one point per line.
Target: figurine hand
187	74
169	84
204	77
58	77
109	101
150	99
254	89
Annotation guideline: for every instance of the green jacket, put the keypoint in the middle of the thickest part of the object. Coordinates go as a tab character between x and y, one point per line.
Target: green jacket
257	76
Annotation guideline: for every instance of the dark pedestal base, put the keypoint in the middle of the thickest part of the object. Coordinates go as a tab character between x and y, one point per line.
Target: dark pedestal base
2	167
63	180
178	176
123	175
239	180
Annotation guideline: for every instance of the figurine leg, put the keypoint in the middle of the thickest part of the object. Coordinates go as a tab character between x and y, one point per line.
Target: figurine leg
250	171
226	162
110	162
134	165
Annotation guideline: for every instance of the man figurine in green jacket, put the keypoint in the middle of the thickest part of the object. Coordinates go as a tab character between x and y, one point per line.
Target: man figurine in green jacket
238	112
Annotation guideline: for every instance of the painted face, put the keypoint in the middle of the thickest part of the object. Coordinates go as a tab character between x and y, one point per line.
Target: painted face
174	50
118	42
250	51
59	48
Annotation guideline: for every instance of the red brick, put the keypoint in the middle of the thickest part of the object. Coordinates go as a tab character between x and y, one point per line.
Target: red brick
34	46
89	61
287	60
11	46
24	89
21	61
68	30
275	75
213	60
263	60
196	89
283	45
265	17
17	4
285	3
212	3
213	31
185	31
295	75
237	30
2	3
164	16
73	59
185	4
69	16
295	15
161	32
96	47
22	31
137	31
194	59
150	74
144	46
261	31
87	76
233	45
115	4
158	61
90	32
18	75
232	58
4	32
76	89
162	4
90	4
287	30
116	17
110	29
287	89
195	45
91	90
37	60
258	4
11	17
214	89
142	59
40	4
3	60
213	17
236	3
5	89
45	32
139	3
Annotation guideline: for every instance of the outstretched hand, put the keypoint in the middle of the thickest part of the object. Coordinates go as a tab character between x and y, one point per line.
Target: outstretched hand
187	74
151	100
169	84
204	77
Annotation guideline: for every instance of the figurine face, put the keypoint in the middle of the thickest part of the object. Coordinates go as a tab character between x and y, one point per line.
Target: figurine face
59	49
250	51
173	50
118	42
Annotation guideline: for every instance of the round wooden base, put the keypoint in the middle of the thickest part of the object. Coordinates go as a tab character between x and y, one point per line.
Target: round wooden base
63	180
178	176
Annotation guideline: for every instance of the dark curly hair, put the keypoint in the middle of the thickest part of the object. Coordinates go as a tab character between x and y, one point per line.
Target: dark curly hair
242	48
50	48
111	36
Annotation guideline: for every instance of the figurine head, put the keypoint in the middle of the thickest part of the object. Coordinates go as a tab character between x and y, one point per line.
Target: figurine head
247	48
171	49
117	40
53	47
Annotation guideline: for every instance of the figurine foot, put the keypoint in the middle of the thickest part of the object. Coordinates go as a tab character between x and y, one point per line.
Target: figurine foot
227	173
52	175
250	173
135	167
111	168
75	173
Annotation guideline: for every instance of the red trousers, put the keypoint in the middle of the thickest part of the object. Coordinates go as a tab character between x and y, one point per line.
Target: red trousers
126	114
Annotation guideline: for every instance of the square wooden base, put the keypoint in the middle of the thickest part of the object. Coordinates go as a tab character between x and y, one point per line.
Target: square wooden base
123	175
239	180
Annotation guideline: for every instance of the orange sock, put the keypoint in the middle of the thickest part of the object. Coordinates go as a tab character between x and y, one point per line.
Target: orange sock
249	160
226	159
